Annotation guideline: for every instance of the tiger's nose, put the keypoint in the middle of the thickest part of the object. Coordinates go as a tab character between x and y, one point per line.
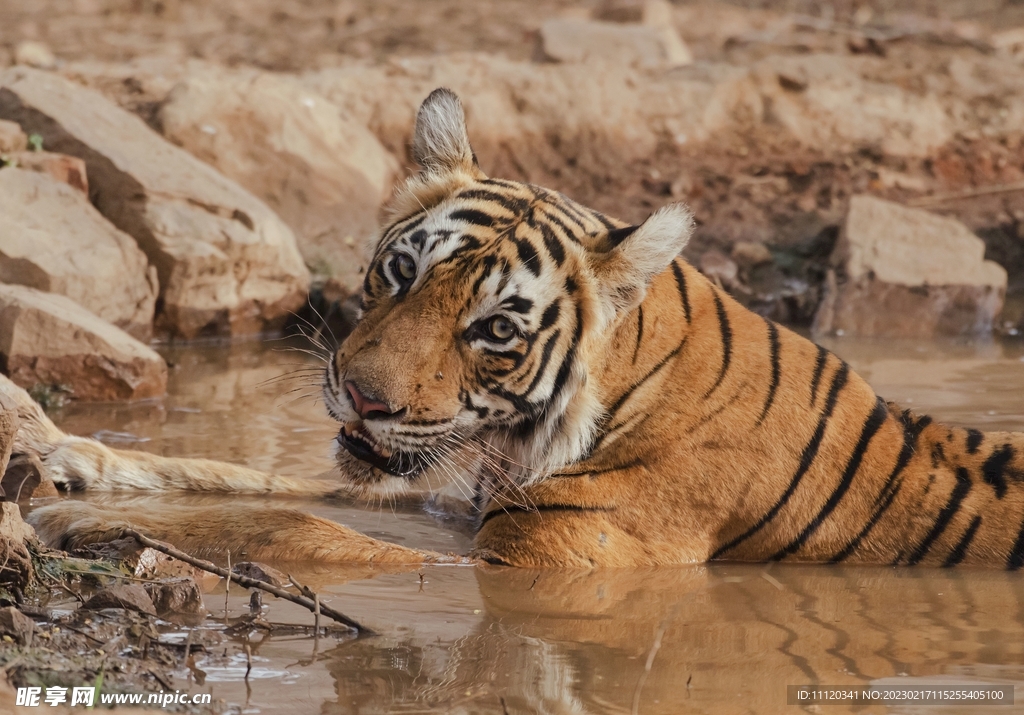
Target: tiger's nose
368	408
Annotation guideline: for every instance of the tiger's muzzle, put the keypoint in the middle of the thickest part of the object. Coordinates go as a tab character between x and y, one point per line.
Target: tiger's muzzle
358	442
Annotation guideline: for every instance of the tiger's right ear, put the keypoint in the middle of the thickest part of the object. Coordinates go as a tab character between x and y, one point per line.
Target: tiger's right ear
629	258
440	143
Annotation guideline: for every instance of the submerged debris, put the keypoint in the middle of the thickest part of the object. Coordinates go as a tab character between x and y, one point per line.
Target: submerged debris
126	615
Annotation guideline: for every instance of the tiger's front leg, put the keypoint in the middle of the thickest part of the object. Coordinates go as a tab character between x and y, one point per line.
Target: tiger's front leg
83	464
271	534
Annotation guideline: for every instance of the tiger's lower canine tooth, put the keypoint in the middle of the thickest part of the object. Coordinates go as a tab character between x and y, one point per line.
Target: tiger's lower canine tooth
385	452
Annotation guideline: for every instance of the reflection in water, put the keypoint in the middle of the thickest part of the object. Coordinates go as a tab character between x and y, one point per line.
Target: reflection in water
731	639
719	639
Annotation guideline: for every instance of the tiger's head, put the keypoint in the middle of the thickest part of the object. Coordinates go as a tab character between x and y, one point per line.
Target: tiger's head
484	302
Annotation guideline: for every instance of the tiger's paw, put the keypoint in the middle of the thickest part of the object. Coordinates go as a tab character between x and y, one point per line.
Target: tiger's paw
70	525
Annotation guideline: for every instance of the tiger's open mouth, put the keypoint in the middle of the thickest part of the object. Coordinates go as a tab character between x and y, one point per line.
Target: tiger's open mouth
358	442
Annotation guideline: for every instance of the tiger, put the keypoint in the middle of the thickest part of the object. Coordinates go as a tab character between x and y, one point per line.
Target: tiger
609	404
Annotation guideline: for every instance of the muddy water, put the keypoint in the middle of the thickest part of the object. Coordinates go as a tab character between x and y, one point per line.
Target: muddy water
720	639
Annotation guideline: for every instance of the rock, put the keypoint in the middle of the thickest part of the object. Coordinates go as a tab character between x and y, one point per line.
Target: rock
12	139
34	54
9	423
15	538
324	173
659	15
13	527
54	240
579	41
21	479
751	253
226	263
129	596
66	169
49	339
16	625
180	596
719	267
260	572
150	563
904	272
46	489
256	602
1008	41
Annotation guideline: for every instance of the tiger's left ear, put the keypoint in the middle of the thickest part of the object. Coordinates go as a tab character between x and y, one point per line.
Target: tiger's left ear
440	142
629	258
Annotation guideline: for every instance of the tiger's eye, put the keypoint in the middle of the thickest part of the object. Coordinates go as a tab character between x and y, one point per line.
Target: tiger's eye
405	267
500	329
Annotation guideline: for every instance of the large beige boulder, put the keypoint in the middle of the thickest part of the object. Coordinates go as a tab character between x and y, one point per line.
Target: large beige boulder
322	172
903	272
829	102
48	339
53	239
226	263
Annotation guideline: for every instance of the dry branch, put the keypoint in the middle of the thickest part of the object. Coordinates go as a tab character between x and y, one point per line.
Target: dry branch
246	582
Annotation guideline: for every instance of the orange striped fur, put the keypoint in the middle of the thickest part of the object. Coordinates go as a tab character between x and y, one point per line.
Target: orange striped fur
612	407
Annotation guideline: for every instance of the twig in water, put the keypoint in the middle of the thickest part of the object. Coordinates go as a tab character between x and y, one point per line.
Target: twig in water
246	582
255	604
647	666
772	580
227	588
160	679
80	632
316	613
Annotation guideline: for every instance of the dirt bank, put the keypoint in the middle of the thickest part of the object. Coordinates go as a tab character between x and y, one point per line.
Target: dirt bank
777	122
